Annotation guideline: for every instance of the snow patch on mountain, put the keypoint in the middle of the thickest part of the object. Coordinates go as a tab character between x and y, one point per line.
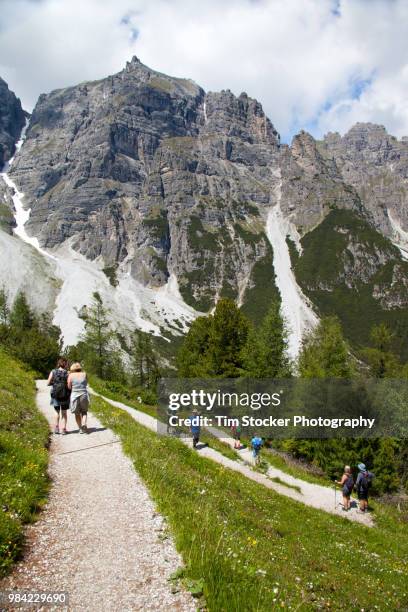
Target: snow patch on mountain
295	307
131	305
400	236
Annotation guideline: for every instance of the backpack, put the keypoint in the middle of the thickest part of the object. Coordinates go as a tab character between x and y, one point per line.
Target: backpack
365	481
60	391
256	443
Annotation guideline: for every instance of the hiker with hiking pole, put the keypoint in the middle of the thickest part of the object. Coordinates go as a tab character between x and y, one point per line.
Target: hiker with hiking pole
347	485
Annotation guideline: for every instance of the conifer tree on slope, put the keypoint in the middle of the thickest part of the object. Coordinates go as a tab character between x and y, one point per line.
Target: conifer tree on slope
383	363
325	353
97	340
144	362
213	345
265	352
28	336
228	335
192	357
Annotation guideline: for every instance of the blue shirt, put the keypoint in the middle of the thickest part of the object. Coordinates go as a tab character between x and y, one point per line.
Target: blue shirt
195	424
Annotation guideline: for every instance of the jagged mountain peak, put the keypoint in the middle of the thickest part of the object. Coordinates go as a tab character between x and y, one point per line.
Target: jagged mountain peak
12	120
241	117
167	188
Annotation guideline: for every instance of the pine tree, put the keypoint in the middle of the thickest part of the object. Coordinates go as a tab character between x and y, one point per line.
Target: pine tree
31	338
192	358
4	309
227	338
325	353
144	362
21	316
97	340
265	352
385	465
214	344
4	316
383	363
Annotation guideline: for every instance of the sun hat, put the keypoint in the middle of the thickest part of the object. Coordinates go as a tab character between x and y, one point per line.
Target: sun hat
362	467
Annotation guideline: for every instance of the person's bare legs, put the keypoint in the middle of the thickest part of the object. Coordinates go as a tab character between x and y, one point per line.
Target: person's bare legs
78	419
64	420
363	505
346	503
57	418
84	420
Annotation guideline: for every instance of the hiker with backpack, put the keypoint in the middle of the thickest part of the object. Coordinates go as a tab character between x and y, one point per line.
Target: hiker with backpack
256	445
347	485
195	428
78	384
60	394
363	485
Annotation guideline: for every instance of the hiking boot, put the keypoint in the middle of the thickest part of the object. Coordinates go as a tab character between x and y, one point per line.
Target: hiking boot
56	430
84	429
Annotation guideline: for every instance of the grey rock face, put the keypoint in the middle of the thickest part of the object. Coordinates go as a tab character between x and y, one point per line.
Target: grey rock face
312	184
147	172
12	120
7	221
375	164
151	175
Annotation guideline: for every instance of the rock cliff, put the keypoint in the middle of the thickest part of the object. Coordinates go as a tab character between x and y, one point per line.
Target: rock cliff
155	180
12	120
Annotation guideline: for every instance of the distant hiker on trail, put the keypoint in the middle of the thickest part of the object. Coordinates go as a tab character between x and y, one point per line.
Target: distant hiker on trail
363	484
256	445
60	394
236	434
347	485
78	383
195	428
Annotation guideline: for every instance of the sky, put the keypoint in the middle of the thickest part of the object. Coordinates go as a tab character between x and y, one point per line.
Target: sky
318	65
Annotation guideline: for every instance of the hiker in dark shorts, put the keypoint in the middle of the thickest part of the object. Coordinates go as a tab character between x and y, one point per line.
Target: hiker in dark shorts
363	484
347	485
60	394
195	428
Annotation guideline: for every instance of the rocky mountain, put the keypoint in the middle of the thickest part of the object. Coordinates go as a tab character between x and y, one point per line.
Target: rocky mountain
376	165
152	176
163	189
12	120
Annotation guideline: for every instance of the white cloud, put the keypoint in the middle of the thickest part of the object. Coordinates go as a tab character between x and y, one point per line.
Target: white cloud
304	60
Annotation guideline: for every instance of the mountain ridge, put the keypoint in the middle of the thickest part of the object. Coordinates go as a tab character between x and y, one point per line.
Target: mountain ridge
152	179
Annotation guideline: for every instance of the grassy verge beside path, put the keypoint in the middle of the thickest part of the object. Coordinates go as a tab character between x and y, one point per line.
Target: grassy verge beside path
206	437
23	457
256	550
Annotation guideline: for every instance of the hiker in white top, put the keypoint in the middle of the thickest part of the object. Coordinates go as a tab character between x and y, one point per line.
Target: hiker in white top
78	384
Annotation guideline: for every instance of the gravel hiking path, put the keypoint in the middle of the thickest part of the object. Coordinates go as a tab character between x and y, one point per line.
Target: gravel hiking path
314	495
99	538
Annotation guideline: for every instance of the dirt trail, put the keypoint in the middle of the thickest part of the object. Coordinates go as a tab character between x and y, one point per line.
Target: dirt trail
309	494
99	538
